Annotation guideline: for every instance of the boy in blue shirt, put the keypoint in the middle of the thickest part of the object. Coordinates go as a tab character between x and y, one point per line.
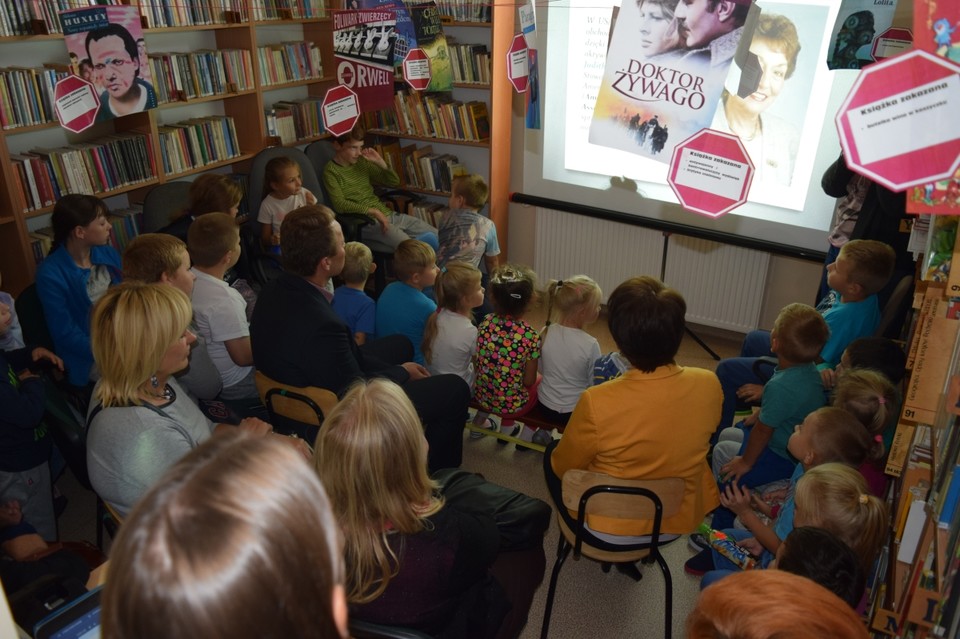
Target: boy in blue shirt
350	301
403	308
754	452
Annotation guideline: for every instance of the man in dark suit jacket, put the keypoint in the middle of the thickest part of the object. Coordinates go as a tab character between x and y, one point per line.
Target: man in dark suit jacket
298	339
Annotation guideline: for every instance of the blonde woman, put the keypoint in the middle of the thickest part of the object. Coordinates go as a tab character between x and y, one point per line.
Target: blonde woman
411	559
261	559
141	421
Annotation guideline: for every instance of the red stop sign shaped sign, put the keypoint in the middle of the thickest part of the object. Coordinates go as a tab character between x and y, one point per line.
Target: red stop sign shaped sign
518	67
898	125
340	110
76	103
416	69
891	42
710	172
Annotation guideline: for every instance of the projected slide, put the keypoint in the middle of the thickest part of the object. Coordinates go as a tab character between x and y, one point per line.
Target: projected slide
603	112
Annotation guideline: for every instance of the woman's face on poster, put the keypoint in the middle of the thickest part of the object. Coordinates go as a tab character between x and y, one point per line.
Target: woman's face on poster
774	65
658	30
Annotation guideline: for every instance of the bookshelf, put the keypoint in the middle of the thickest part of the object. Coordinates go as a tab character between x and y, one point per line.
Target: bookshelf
221	37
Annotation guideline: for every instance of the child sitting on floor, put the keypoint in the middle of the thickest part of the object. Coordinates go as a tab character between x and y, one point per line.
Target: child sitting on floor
350	301
403	308
820	556
872	399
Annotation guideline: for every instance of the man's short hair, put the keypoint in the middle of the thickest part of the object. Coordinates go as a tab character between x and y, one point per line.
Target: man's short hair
646	320
210	237
411	257
871	263
472	189
151	255
740	11
801	333
820	556
356	263
356	134
114	29
306	237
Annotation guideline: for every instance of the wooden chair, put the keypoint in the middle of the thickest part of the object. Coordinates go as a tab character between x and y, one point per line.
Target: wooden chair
305	405
587	492
107	519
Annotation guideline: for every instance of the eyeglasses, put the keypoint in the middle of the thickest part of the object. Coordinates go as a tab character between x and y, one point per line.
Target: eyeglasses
116	63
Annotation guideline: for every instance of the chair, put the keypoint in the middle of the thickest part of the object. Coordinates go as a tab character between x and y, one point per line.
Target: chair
163	203
593	493
320	153
897	306
296	408
367	630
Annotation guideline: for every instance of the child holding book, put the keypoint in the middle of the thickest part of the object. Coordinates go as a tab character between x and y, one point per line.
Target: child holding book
403	308
568	352
282	192
508	349
350	301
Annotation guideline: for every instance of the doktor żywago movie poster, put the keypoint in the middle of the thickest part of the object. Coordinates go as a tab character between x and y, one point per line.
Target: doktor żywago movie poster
363	45
663	76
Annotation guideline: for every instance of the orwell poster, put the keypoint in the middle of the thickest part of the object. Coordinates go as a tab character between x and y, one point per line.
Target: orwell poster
664	73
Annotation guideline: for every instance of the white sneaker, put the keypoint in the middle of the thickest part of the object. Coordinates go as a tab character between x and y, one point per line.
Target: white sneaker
489	424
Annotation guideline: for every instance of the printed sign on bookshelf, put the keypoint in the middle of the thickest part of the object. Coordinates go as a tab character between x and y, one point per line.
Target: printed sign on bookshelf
76	103
107	48
364	50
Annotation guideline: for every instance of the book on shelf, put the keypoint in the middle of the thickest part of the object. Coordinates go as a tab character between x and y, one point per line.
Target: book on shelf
294	120
429	212
197	142
26	95
465	10
180	76
470	62
289	62
189	13
289	9
435	116
126	226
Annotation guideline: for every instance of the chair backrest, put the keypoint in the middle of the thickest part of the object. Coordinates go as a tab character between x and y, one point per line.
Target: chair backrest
259	165
621	506
896	303
163	203
320	152
33	322
307	404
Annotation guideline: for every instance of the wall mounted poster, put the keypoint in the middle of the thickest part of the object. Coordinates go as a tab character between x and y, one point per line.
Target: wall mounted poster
431	39
107	48
363	43
858	24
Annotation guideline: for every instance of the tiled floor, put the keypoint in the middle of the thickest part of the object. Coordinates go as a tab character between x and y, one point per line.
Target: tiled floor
589	603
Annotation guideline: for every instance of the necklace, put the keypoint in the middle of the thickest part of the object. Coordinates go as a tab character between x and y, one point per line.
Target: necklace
756	132
167	394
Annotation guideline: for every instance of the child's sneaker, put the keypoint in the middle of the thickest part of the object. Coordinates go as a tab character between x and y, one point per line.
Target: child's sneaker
698	542
514	432
700	564
488	424
542	437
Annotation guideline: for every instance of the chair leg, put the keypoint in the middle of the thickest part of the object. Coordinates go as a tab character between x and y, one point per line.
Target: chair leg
668	597
563	551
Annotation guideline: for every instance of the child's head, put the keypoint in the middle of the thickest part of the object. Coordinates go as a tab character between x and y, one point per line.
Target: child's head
880	354
357	263
468	192
831	434
158	257
869	396
818	555
513	289
646	320
835	497
214	193
81	218
211	237
799	333
415	263
863	267
456	289
349	145
578	294
282	177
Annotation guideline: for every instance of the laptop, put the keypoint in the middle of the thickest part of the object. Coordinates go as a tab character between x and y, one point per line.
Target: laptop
79	619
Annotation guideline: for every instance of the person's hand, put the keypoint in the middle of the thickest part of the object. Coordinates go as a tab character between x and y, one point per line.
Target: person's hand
736	498
829	378
371	155
10	514
416	371
761	506
40	353
300	445
381	219
750	393
750	420
26	374
255	425
752	546
311	198
275	239
734	469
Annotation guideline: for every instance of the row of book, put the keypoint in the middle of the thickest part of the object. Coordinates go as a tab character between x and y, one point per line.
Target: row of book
26	95
429	212
188	13
435	115
197	142
289	62
421	168
125	223
99	166
23	17
288	9
185	76
294	120
470	62
466	10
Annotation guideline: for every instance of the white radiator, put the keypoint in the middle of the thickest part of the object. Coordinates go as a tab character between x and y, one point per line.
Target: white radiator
723	285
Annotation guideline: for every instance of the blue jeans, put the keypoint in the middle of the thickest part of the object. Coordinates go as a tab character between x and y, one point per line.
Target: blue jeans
734	372
723	566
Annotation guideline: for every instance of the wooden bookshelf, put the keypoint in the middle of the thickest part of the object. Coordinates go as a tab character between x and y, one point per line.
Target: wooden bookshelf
246	107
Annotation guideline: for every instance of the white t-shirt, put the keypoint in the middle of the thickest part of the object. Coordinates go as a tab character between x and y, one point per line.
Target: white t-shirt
566	364
454	346
273	210
220	315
